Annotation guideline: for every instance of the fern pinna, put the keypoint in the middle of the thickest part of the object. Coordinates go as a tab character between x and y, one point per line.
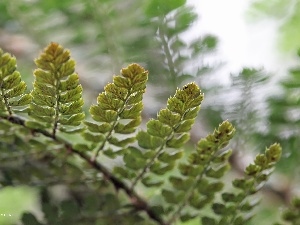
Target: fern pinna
187	179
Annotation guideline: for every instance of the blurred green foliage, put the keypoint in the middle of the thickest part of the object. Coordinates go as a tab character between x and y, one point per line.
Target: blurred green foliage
286	12
283	121
16	200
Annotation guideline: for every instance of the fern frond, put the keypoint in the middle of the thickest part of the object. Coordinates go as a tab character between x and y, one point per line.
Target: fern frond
12	88
169	130
199	178
236	208
118	110
57	95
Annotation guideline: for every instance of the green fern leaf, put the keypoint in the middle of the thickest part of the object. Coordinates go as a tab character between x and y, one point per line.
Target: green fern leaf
157	128
190	170
96	128
236	208
160	168
205	165
150	182
12	88
57	95
180	183
208	221
56	103
170	129
172	197
170	157
178	142
128	128
145	140
118	109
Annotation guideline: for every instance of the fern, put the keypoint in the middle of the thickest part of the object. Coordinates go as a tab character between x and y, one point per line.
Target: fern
236	207
118	110
57	95
198	183
284	119
169	130
173	18
12	98
12	87
150	157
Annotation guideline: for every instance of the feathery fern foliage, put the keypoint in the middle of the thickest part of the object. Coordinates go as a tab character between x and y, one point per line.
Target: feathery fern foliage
236	207
172	18
118	111
198	181
12	98
57	95
283	120
11	86
149	158
170	130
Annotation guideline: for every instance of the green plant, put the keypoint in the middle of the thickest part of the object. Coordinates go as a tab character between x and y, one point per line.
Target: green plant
113	172
283	120
292	214
277	10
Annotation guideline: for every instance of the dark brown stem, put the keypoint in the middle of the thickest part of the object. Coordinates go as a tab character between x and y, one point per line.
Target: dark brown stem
138	202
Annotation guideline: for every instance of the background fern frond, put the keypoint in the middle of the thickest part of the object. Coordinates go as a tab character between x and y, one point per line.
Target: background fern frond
57	95
171	19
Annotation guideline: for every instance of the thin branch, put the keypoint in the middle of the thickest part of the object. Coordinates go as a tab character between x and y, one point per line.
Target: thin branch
138	202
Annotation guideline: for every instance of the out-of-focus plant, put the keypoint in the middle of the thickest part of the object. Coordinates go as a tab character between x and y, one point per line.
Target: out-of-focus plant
292	214
243	103
172	19
287	15
284	119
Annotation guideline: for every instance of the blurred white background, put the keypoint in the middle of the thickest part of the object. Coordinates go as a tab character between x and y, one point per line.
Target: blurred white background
242	41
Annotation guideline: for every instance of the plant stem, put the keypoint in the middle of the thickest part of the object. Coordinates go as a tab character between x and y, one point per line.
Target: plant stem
165	45
8	108
56	106
146	168
150	163
138	202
